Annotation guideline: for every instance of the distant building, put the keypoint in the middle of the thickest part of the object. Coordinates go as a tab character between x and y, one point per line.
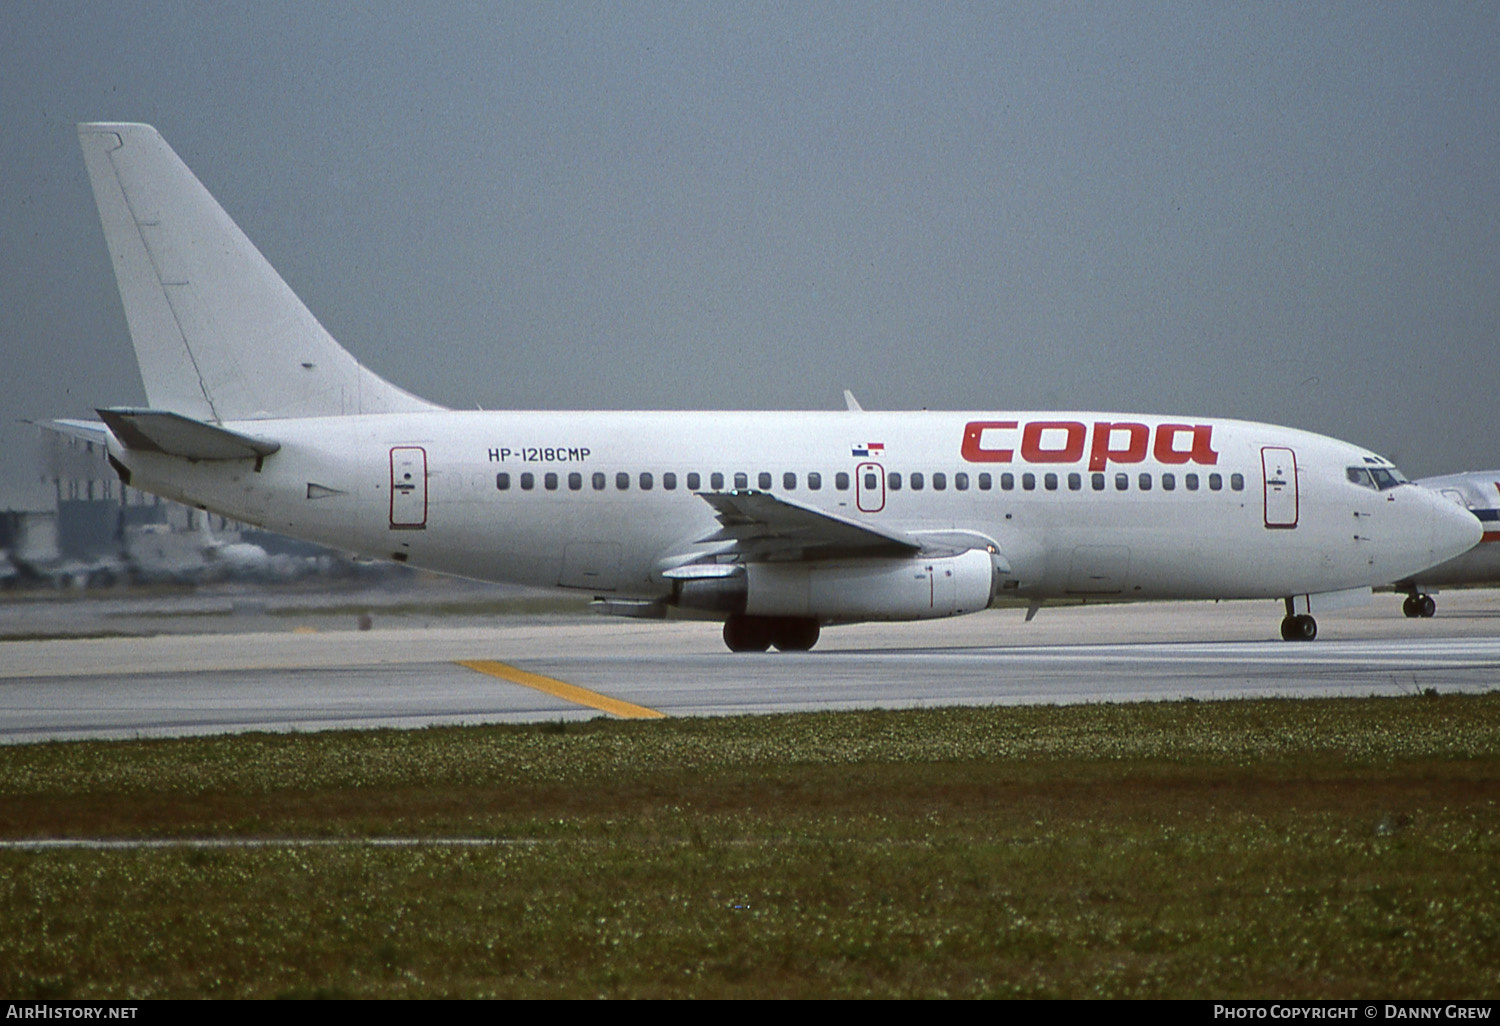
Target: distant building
101	531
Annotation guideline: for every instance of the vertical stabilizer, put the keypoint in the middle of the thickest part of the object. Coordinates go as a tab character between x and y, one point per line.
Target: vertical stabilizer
218	335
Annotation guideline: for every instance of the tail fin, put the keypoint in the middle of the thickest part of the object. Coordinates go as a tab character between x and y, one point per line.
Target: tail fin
218	335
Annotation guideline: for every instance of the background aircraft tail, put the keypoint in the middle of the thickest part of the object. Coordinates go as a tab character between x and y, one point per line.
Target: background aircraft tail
218	335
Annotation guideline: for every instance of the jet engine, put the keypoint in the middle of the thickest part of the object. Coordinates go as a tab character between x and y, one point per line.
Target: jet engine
835	591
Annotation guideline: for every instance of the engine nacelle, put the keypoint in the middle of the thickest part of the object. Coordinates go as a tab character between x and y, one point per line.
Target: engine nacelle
872	589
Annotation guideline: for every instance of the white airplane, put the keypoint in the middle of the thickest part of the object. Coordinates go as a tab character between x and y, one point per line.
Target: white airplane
775	523
1479	493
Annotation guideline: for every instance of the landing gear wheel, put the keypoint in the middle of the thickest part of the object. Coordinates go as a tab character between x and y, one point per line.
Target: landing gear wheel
1419	605
747	633
794	634
1299	628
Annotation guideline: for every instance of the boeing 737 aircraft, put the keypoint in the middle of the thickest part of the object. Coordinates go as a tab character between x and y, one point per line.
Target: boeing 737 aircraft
778	524
1479	493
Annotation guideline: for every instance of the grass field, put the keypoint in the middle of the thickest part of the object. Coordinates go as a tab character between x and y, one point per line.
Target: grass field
1317	849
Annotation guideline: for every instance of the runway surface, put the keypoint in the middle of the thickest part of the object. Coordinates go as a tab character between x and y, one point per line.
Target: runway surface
317	674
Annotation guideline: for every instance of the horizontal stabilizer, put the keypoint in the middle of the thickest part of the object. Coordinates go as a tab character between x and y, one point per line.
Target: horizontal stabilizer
175	435
83	430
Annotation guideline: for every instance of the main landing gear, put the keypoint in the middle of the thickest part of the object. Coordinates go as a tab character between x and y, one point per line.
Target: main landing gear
1418	604
758	633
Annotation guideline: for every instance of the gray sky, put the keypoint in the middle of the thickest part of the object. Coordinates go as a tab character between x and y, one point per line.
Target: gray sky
1283	212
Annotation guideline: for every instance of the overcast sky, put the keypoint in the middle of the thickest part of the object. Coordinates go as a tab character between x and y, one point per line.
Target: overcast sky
1281	212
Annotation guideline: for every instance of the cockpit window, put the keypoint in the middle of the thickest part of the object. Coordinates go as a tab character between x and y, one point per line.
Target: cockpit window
1378	479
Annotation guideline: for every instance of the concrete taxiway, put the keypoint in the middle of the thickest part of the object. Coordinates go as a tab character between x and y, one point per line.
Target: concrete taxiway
321	674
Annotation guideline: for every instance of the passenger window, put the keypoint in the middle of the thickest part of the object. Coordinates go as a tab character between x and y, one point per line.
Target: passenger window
1097	481
502	482
1145	482
814	481
694	482
669	481
598	482
1237	482
528	482
1122	482
550	482
940	482
1028	482
1168	482
1075	482
871	481
841	481
742	480
1191	480
961	482
622	481
1050	482
716	481
646	481
917	481
1007	482
893	481
1215	483
984	482
764	480
789	481
575	481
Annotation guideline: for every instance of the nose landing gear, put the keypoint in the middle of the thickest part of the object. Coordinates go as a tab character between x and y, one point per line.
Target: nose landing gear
1299	628
1418	604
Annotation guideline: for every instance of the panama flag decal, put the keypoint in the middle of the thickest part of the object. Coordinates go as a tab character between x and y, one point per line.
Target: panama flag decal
868	449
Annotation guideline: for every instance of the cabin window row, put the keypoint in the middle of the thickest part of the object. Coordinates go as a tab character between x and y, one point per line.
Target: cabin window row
915	481
1052	482
646	481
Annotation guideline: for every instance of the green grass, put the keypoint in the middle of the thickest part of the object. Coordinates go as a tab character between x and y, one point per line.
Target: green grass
1321	849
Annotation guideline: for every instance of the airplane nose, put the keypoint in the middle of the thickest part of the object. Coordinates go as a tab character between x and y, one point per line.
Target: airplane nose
1454	529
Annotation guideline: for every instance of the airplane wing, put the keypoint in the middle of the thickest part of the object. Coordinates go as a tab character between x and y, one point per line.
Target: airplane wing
762	526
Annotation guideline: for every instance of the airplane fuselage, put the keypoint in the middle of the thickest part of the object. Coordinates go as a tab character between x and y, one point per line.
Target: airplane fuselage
1078	504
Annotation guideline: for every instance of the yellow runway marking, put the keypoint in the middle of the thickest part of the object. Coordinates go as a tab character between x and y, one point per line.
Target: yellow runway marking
560	689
